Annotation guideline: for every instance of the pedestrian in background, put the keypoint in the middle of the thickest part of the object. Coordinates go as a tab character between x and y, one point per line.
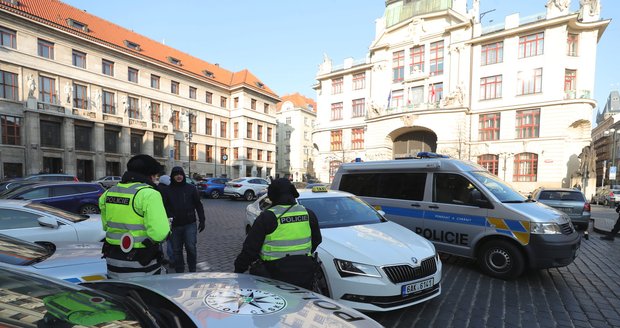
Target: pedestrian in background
164	182
282	239
184	203
134	219
612	234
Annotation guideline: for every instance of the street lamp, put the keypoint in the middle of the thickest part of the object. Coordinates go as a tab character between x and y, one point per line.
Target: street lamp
190	114
613	165
505	156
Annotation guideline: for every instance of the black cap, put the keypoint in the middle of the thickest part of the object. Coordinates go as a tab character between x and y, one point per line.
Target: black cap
144	164
281	187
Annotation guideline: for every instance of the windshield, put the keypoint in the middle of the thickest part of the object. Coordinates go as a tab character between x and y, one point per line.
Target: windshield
341	211
18	252
57	212
502	190
14	188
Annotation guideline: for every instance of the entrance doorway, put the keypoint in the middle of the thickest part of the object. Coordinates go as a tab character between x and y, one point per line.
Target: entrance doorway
411	143
113	168
13	170
52	165
85	170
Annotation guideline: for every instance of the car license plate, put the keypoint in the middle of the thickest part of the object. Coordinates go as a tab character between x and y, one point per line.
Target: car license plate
566	210
417	286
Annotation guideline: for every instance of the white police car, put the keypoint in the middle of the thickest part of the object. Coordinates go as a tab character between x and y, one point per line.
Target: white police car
368	263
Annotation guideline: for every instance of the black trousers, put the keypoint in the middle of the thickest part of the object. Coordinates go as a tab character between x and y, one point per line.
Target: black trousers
616	228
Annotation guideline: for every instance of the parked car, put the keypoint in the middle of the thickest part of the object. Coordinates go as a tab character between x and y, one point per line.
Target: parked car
612	198
570	201
202	299
76	197
52	177
246	188
368	262
70	261
599	197
108	181
8	186
39	222
212	187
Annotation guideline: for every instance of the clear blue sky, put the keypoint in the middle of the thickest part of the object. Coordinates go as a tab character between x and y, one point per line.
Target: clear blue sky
282	41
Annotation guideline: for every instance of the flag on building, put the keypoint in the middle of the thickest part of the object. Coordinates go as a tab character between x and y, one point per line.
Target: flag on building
389	99
431	93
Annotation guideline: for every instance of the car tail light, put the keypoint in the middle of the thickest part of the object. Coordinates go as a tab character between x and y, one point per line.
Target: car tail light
586	207
236	185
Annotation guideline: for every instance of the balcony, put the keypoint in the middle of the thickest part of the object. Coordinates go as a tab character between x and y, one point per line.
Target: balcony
377	111
577	94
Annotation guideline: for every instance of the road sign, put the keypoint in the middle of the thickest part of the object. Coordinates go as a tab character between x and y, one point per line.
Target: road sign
612	173
224	157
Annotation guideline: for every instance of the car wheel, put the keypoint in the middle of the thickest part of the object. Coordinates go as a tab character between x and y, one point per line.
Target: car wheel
215	194
319	284
89	209
248	195
501	259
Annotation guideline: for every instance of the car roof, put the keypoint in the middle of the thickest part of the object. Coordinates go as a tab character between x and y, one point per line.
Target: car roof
560	189
308	194
451	164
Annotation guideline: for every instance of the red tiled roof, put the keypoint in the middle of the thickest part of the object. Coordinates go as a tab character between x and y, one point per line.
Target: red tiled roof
56	14
298	100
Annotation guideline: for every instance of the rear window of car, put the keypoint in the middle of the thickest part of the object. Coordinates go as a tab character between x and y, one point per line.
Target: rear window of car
238	180
561	195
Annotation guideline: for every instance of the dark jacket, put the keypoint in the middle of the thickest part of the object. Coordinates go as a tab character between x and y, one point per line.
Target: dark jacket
183	201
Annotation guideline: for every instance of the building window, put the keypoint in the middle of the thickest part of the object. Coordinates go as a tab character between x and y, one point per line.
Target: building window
266	108
359	107
108	103
527	123
192	93
155	112
269	131
435	93
259	155
531	45
132	45
80	98
570	83
357	138
45	49
288	149
268	156
50	134
154	81
529	82
78	25
248	153
176	122
236	102
8	85
209	97
107	67
136	143
8	38
253	104
488	127
288	120
336	140
174	87
79	59
248	133
158	146
208	126
336	111
396	99
572	44
223	129
82	137
259	132
492	53
133	108
526	167
436	61
132	75
417	59
111	141
236	153
11	129
489	162
192	123
223	151
359	81
337	86
236	130
193	153
177	149
288	135
223	102
47	90
416	95
398	66
491	87
209	153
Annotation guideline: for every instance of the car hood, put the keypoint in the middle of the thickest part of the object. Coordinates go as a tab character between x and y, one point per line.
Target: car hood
375	244
90	230
71	253
538	212
242	300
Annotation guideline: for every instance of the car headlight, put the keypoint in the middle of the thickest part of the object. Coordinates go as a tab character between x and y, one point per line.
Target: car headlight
550	228
348	269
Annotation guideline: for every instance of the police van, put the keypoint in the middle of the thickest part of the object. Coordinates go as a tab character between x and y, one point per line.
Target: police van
466	211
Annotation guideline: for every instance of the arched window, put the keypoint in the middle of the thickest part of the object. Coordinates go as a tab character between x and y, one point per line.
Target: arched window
489	162
525	167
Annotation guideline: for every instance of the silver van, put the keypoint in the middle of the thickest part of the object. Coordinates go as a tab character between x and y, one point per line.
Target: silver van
466	211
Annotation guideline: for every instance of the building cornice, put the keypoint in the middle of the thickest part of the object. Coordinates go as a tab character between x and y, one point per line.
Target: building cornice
345	71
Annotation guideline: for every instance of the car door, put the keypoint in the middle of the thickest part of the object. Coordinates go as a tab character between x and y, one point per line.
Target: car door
258	185
63	197
25	225
37	194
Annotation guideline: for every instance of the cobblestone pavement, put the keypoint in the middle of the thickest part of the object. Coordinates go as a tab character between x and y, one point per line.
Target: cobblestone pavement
583	294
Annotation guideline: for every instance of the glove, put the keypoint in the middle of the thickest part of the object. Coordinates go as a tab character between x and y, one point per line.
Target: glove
201	226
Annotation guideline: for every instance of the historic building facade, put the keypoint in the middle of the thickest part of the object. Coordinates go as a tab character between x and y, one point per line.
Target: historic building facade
296	115
81	95
515	97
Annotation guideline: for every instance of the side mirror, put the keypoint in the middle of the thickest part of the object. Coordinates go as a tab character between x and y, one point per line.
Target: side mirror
48	222
479	200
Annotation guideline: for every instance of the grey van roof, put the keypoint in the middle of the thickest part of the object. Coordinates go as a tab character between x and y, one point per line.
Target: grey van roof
450	164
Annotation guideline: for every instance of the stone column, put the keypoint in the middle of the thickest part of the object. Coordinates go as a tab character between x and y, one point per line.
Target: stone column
33	161
125	146
68	143
99	147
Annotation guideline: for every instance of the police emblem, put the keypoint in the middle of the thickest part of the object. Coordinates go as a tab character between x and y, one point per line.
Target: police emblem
245	301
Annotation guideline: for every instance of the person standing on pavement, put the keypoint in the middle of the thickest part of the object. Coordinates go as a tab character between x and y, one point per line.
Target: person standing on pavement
612	234
184	202
164	182
134	219
284	237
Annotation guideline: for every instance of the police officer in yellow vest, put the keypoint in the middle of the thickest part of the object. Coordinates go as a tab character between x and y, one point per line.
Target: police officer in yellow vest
284	237
135	221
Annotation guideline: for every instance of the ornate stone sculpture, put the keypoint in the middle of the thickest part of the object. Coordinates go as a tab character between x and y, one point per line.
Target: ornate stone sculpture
32	86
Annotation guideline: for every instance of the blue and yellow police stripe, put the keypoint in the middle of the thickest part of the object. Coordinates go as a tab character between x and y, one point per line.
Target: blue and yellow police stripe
77	280
520	230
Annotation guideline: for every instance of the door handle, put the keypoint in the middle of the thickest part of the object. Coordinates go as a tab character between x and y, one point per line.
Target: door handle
415	205
433	206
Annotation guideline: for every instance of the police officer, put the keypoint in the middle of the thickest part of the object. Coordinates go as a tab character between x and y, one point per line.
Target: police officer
283	237
135	221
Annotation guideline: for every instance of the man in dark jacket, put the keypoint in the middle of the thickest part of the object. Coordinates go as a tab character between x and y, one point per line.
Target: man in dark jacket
283	237
184	203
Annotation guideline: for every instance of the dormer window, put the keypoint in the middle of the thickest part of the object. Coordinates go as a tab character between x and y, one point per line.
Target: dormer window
260	85
11	2
77	25
174	61
132	45
208	74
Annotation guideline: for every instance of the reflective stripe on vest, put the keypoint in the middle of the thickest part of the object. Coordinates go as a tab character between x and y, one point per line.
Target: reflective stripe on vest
121	215
292	236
